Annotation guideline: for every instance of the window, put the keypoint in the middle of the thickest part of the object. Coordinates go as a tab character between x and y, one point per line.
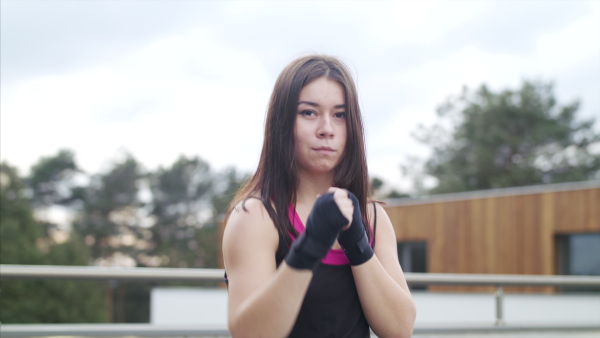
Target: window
413	258
578	254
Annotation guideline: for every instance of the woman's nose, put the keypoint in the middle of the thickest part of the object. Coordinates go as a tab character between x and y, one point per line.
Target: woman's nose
325	127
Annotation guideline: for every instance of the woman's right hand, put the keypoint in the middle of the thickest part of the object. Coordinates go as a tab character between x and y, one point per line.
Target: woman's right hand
344	203
325	221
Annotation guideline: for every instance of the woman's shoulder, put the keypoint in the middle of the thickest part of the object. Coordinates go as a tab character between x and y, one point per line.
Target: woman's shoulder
248	209
249	219
375	209
250	240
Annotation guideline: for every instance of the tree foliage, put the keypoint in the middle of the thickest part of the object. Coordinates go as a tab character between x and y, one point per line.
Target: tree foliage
168	217
110	210
27	241
180	194
488	140
226	185
51	179
380	190
19	232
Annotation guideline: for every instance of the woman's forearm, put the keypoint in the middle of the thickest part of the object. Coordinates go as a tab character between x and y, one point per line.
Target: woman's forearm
271	310
386	302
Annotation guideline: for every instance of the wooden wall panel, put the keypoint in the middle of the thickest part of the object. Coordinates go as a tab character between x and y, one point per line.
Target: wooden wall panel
594	224
592	209
519	231
435	239
477	243
490	226
508	240
450	236
497	234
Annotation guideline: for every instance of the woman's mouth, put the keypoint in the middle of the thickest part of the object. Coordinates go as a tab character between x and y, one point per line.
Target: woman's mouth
324	150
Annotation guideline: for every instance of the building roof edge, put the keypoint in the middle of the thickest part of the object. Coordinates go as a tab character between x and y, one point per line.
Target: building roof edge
500	192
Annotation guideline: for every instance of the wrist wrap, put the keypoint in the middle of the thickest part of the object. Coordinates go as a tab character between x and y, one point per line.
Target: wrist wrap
354	240
323	225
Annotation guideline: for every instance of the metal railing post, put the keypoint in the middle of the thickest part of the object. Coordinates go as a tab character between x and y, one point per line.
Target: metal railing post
499	306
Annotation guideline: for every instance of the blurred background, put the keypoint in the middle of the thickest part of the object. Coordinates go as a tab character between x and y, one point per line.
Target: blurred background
127	126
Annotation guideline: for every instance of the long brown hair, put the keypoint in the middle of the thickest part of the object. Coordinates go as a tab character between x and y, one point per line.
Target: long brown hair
275	180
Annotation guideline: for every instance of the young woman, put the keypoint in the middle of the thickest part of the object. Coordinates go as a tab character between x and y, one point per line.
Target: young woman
306	255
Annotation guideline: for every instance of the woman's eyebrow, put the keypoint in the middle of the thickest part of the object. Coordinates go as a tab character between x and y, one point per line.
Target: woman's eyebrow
314	104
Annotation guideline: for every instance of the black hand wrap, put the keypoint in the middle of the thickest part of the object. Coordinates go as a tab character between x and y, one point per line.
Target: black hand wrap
354	240
322	228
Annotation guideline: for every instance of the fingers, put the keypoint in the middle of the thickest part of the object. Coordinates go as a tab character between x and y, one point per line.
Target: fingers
344	203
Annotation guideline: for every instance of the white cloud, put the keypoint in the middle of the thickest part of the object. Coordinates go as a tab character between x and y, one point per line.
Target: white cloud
201	86
181	94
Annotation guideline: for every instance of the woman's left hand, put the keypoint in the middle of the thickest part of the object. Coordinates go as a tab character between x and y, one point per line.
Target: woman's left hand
344	203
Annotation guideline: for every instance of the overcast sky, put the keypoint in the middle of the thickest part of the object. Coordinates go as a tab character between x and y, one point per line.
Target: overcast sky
163	78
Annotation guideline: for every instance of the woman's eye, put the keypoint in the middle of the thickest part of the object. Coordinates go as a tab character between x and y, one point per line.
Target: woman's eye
340	115
307	113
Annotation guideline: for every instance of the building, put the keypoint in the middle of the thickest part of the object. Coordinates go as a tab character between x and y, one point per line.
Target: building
537	230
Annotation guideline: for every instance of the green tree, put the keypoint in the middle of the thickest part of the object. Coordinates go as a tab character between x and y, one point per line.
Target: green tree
226	185
110	224
180	197
19	232
51	183
488	140
380	190
376	186
26	241
111	211
51	179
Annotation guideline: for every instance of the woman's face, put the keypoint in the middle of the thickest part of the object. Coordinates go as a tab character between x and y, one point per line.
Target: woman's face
320	128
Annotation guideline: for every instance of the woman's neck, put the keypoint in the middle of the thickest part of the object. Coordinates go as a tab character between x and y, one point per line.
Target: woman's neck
309	186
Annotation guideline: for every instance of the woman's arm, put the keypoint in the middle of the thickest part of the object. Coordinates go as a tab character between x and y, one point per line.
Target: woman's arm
382	289
263	300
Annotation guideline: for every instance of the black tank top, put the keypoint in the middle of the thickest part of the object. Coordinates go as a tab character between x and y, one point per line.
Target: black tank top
331	307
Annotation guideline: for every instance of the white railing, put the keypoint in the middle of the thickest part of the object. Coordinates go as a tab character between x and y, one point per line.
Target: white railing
108	273
216	275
